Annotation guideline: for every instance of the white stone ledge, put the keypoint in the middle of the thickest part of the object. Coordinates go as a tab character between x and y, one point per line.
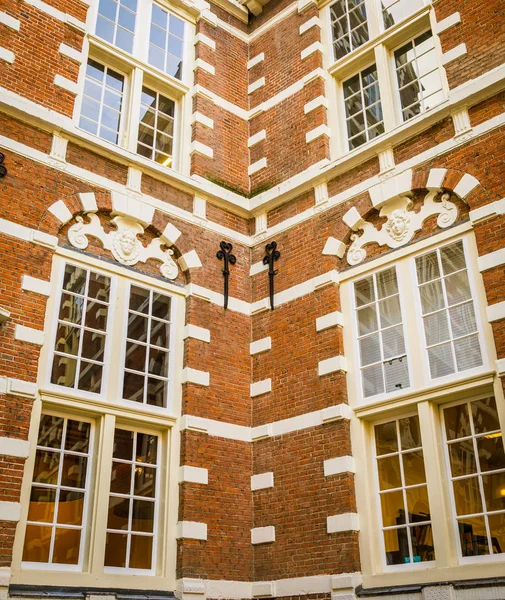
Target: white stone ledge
256	60
190	260
9	21
446	23
198	117
312	135
261	387
316	103
70	52
334	247
195	376
29	335
488	211
263	589
262	481
191	530
315	47
336	466
18	387
263	535
201	38
196	333
454	54
496	312
332	365
66	84
312	22
60	211
261	346
205	66
199	148
37	286
228	431
10	511
14	447
491	260
256	138
257	166
6	55
341	523
333	319
256	85
188	474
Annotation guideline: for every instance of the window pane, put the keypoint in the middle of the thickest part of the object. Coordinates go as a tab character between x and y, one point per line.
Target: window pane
393	509
397	374
494	491
468	354
37	544
462	458
441	361
42	503
394	11
166	49
497	530
349	25
116	22
141	552
156	124
386	438
389	473
467	496
473	536
413	465
115	550
485	415
410	433
397	546
66	546
418	504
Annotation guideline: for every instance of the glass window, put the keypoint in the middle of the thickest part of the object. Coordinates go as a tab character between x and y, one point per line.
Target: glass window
418	76
166	42
79	348
405	509
116	22
147	347
102	102
381	340
363	107
476	459
131	519
394	11
56	513
450	325
156	130
349	26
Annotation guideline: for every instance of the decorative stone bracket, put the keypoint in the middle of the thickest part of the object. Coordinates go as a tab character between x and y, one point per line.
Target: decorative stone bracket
402	223
123	243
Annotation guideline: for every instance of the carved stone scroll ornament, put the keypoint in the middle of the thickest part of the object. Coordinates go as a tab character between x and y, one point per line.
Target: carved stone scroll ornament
402	223
123	243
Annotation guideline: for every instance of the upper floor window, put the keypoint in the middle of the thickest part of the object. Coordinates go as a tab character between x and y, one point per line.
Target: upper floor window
116	22
349	26
395	11
166	42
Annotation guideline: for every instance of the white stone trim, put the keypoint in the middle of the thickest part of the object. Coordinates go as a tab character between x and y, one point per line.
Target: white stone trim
6	55
188	474
60	211
396	186
221	102
491	260
88	201
234	304
134	179
191	530
312	22
205	39
198	117
14	447
495	312
446	23
336	466
332	365
196	333
454	54
66	84
260	223
321	194
316	103
257	166
386	160
312	135
261	387
257	137
500	366
10	511
256	85
256	60
262	481
263	535
57	14
208	16
9	21
341	523
131	207
256	268
189	589
332	319
228	431
59	148
199	148
190	260
303	5
69	52
334	247
263	589
436	179
260	346
18	387
171	234
205	66
29	335
200	207
37	286
466	185
489	210
315	47
461	122
195	376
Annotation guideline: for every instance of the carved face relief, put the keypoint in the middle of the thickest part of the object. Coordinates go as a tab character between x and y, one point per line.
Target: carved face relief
398	225
125	246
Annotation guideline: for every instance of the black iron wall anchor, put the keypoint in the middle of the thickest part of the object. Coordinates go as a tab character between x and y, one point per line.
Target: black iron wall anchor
3	170
229	259
272	254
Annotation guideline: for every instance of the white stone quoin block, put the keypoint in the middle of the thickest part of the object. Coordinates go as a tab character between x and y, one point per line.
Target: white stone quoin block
341	523
261	387
263	535
262	481
261	345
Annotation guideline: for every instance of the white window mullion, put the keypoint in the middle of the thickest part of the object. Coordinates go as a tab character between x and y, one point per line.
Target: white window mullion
388	100
132	122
